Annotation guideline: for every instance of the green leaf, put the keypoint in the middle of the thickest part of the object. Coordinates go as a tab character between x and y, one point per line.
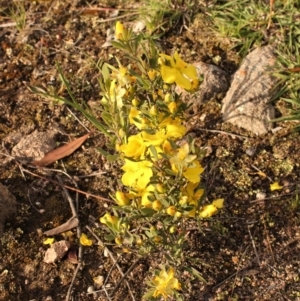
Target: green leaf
196	273
102	151
109	237
147	211
105	72
154	152
170	172
112	158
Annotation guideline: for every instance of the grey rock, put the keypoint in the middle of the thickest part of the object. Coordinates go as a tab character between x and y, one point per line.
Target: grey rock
247	103
34	146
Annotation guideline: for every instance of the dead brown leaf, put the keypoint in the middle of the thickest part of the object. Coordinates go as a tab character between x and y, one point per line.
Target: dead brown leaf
61	152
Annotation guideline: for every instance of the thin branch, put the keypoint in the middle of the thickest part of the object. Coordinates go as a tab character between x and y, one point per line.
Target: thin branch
124	277
68	187
254	247
78	232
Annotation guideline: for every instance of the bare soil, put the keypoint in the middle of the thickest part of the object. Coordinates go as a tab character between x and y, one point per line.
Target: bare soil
250	251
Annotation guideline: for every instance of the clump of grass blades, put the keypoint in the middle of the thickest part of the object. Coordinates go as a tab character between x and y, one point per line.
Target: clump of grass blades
250	24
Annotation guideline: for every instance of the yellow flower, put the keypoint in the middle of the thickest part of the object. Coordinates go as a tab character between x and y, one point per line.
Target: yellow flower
175	131
135	148
174	69
145	202
181	160
116	94
193	172
85	241
136	119
121	199
167	147
156	139
119	30
275	186
108	218
191	197
178	214
137	174
211	209
165	283
173	127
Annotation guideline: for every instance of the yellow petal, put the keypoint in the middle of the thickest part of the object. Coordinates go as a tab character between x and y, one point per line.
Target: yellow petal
208	211
135	148
85	241
182	81
168	74
193	173
121	199
190	71
275	186
218	203
48	241
119	30
172	106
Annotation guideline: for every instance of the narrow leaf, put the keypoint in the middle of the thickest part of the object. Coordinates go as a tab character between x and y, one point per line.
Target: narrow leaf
61	152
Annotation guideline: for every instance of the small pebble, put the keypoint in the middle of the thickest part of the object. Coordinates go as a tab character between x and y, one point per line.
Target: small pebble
90	289
250	151
261	195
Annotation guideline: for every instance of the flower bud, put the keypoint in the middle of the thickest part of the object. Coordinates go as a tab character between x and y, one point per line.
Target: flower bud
119	30
172	107
157	239
153	110
172	229
118	240
183	200
139	242
178	214
168	98
135	102
160	188
171	210
121	133
157	205
152	74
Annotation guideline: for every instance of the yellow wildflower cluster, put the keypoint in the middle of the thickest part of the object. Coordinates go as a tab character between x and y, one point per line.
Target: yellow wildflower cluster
156	115
161	174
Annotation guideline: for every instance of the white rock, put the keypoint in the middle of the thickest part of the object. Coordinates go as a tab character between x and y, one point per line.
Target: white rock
57	251
247	103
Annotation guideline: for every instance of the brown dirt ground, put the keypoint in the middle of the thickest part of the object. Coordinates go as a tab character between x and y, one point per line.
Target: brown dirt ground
248	252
